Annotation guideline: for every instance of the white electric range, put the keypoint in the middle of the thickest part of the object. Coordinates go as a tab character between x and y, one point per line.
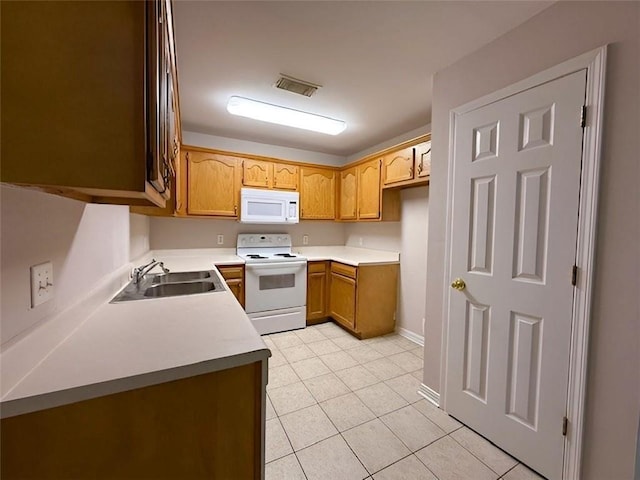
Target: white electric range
275	282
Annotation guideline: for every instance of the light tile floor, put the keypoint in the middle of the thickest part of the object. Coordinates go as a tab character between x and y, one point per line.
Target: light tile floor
341	408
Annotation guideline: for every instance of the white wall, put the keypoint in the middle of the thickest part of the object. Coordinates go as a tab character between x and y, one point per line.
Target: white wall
169	233
85	242
561	32
235	145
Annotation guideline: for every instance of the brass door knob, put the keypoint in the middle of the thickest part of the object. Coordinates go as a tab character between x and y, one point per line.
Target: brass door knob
458	284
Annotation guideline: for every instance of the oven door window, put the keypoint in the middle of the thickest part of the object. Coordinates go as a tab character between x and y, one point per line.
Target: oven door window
271	282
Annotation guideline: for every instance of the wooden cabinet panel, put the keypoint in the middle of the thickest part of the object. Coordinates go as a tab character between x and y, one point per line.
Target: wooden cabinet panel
348	194
234	277
214	184
87	99
317	283
342	303
423	159
408	167
317	193
266	174
285	176
363	299
206	426
397	166
369	190
256	173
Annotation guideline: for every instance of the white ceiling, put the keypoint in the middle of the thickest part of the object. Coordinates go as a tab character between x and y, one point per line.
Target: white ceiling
374	60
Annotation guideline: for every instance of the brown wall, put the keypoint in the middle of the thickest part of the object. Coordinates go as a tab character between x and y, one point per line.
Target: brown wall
561	32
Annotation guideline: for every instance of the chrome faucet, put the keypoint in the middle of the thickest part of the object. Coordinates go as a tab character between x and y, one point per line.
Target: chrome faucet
140	272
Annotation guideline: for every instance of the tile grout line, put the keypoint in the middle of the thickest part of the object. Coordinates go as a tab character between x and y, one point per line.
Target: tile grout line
287	362
478	458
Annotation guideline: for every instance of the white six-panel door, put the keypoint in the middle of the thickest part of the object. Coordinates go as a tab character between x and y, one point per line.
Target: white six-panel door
516	181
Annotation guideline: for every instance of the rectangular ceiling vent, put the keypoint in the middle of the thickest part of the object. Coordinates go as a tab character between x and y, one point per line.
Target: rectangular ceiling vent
294	85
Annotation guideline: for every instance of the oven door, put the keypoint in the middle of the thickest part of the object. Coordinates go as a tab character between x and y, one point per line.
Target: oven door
272	286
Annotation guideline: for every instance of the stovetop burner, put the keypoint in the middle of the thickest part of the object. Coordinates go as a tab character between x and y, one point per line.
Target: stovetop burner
255	256
285	255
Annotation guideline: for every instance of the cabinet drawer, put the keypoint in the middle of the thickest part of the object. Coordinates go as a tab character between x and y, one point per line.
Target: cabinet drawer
316	267
232	271
342	269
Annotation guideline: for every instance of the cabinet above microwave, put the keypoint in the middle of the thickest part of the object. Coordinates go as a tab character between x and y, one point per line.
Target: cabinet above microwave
89	99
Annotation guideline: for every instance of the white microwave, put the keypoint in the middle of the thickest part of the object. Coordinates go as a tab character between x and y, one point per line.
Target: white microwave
269	206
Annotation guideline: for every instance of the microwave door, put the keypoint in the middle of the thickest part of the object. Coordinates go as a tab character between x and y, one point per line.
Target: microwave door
263	211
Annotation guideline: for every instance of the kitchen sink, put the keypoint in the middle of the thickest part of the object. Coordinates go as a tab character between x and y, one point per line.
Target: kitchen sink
172	284
176	289
178	277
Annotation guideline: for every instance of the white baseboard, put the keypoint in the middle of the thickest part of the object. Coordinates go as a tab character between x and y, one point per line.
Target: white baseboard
414	337
429	394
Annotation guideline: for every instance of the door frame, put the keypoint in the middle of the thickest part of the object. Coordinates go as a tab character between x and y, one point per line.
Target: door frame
595	64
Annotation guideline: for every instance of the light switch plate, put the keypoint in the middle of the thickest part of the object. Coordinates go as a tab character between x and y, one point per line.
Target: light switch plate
220	239
305	239
41	283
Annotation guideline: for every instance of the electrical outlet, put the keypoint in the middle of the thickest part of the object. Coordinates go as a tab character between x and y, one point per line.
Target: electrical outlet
360	241
41	283
305	239
220	239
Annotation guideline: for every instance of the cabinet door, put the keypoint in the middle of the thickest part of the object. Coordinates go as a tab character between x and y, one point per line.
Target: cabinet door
214	184
256	173
369	190
316	290
348	194
317	193
423	159
285	176
342	303
234	277
398	166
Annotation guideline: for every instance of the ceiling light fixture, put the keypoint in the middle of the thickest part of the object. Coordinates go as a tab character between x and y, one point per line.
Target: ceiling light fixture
266	112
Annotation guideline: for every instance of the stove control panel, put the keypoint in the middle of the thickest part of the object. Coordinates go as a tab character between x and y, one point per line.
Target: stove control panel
264	240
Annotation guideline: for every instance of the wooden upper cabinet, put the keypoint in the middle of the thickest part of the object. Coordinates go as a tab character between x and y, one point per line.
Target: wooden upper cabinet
213	184
408	167
285	176
89	99
256	173
369	190
266	174
317	193
398	166
348	194
423	159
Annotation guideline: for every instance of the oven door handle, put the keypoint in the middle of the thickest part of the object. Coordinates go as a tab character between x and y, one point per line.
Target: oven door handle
265	266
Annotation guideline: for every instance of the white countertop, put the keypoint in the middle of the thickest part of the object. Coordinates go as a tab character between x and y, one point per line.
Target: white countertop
350	255
102	348
139	343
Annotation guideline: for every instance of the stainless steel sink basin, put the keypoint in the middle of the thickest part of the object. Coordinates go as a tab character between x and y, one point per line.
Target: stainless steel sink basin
176	289
178	277
172	284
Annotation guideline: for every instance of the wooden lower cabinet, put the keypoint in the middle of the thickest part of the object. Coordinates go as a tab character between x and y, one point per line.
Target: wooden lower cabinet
363	299
317	292
234	277
206	426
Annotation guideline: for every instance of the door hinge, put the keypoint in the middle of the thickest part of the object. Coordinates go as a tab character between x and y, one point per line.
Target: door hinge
574	275
583	116
565	426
